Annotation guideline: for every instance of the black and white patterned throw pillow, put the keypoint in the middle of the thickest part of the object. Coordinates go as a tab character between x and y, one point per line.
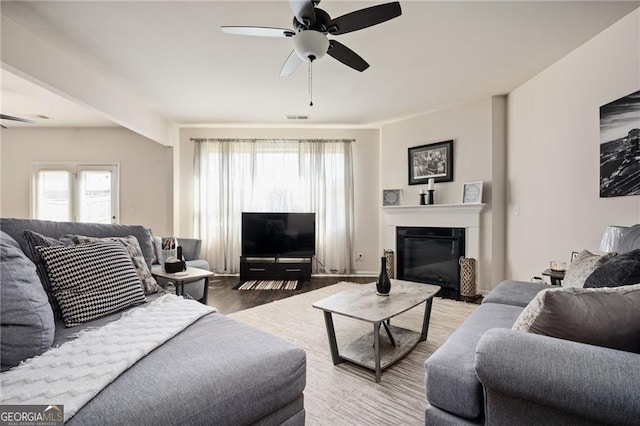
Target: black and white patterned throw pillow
91	280
131	244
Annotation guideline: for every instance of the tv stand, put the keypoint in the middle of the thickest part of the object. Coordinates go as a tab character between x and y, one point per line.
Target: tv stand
275	268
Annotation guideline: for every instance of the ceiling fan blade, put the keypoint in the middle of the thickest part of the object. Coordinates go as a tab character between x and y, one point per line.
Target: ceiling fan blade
290	65
347	56
259	31
11	117
304	11
364	18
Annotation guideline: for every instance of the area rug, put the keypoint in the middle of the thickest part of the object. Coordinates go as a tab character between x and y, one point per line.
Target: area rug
346	394
269	285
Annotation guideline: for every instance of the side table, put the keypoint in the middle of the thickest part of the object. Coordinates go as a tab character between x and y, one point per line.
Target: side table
181	278
555	276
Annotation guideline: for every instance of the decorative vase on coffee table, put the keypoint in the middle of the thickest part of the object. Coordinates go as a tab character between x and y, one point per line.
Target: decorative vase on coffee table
383	284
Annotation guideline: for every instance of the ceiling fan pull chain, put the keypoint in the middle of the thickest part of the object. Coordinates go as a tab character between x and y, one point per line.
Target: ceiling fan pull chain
311	83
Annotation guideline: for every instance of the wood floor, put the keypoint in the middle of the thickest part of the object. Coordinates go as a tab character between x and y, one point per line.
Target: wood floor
227	300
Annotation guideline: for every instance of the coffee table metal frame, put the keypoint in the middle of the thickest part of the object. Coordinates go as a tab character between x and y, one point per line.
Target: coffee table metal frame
362	303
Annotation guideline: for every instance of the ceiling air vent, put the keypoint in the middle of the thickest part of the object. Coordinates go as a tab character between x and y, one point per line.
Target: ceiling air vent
297	117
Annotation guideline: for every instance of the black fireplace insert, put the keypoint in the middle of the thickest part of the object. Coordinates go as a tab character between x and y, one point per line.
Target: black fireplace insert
431	255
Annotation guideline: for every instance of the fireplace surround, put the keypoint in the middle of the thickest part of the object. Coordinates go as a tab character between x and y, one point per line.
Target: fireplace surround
466	216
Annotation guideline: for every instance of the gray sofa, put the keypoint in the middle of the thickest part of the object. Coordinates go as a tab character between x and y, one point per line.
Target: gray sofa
216	371
488	373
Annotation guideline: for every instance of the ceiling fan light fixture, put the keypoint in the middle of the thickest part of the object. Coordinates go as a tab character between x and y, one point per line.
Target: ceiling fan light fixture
311	26
310	45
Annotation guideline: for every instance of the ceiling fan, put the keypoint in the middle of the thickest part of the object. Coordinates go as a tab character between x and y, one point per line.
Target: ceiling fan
12	118
311	26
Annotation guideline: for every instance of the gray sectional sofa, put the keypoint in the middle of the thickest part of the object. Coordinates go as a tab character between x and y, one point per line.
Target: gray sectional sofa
216	371
489	373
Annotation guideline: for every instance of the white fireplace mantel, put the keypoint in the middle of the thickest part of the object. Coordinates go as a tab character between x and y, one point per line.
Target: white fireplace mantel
438	215
461	215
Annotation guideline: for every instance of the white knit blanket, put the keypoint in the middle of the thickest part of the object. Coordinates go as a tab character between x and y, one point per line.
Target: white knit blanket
73	373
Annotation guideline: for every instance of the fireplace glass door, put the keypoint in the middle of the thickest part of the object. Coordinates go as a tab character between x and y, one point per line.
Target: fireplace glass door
431	255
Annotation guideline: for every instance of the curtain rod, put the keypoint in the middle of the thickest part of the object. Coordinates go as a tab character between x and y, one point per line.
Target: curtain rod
199	140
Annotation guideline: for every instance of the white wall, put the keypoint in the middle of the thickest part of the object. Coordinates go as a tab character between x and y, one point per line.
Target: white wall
477	130
146	170
553	152
365	174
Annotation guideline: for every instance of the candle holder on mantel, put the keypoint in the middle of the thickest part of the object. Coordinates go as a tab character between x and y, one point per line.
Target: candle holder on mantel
426	197
430	196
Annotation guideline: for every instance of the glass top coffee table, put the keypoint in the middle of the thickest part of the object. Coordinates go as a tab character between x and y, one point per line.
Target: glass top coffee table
362	303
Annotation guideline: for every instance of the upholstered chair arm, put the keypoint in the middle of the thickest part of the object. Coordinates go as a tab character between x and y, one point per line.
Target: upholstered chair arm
190	247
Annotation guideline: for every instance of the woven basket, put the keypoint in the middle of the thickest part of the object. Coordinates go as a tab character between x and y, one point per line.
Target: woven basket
467	277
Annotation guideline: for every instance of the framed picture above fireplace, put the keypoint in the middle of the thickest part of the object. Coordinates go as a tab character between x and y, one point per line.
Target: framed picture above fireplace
432	161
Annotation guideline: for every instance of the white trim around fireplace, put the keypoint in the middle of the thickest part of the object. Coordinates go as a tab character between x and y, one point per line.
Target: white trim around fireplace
438	215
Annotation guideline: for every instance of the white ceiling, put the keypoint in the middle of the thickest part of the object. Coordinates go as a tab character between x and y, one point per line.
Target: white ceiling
173	54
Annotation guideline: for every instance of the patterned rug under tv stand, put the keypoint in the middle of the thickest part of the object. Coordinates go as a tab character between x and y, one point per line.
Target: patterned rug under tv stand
269	285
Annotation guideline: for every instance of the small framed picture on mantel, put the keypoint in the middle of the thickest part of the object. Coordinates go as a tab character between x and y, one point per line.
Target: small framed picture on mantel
390	197
472	192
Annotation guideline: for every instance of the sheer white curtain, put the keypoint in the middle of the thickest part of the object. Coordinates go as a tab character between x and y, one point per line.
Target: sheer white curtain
235	176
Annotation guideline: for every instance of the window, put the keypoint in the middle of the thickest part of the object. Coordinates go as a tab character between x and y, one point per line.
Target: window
76	192
235	176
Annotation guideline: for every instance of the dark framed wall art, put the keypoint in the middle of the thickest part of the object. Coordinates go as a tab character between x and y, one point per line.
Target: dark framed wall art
620	147
432	161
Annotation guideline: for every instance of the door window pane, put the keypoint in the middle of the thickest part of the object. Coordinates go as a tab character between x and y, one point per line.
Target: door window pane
95	197
54	195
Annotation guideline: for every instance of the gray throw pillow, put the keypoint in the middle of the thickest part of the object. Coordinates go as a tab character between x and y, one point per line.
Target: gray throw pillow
91	280
154	260
28	326
157	248
624	269
582	266
130	243
608	317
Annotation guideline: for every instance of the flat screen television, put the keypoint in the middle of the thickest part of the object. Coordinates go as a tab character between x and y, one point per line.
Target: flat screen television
278	234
